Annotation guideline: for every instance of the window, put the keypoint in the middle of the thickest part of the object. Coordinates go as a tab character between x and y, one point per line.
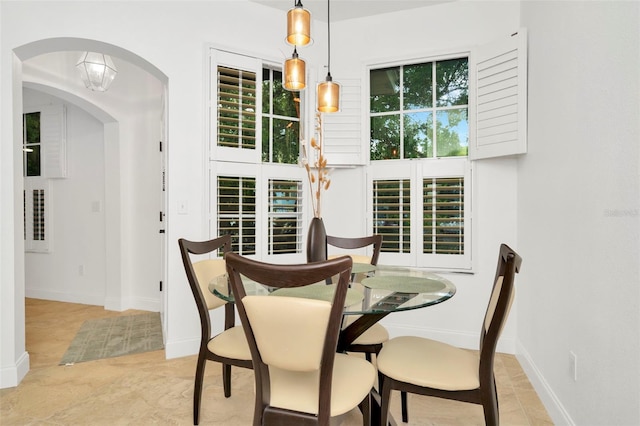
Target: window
391	214
419	170
256	185
285	216
280	120
443	227
31	144
44	158
237	212
419	110
236	108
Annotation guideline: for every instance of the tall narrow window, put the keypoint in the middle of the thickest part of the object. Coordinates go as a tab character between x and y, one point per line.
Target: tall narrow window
285	216
237	212
37	132
443	227
280	120
31	147
419	137
392	214
236	100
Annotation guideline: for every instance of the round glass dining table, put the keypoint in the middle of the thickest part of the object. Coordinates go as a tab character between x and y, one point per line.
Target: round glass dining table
384	290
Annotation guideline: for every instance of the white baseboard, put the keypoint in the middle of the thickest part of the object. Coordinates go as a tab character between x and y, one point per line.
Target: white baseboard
85	299
553	405
11	376
181	348
110	304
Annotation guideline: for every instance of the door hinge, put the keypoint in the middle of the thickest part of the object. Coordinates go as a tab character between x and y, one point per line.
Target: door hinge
160	285
160	142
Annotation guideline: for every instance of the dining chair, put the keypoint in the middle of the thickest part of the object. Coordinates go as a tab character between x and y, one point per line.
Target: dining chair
428	367
370	342
228	347
300	379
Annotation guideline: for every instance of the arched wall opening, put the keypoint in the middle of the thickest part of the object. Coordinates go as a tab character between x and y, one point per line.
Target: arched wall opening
118	128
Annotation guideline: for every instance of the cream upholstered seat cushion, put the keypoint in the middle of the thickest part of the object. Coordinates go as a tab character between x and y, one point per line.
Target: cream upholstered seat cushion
429	363
352	380
231	343
375	334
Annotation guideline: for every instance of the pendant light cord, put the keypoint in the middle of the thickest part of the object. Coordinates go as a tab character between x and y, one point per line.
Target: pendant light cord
328	38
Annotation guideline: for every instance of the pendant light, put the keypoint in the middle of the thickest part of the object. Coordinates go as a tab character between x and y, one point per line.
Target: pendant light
298	25
328	92
294	73
96	70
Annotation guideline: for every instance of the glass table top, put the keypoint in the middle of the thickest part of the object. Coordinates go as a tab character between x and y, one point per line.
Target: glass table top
386	289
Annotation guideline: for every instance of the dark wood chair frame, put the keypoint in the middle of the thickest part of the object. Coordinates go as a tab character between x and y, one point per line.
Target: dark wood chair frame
363	323
188	248
486	394
289	276
359	327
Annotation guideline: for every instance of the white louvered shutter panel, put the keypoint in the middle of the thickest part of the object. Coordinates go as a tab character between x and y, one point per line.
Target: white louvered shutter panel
37	211
53	137
235	105
342	130
499	71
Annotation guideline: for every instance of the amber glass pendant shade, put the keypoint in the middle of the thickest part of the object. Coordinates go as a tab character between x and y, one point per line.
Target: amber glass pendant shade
298	25
294	73
328	95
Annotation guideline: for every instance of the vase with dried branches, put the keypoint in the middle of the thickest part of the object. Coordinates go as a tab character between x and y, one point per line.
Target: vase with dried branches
318	175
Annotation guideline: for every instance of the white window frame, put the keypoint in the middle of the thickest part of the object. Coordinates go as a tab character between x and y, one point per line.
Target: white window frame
226	161
416	170
262	174
53	164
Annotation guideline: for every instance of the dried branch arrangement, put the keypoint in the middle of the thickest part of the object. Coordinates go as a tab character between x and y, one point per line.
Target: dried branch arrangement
316	167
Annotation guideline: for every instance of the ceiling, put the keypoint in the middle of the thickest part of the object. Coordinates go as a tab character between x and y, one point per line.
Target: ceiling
349	9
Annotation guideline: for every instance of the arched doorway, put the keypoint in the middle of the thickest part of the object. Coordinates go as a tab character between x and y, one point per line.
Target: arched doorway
131	120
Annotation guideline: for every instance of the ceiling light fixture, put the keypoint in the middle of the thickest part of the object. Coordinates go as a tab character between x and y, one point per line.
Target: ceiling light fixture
96	70
298	25
328	92
294	73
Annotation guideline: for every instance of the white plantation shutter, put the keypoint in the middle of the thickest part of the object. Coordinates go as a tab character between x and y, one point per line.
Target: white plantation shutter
392	214
236	211
37	210
53	139
500	74
285	216
342	130
235	106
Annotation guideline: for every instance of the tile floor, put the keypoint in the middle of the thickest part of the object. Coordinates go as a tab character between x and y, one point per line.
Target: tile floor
147	389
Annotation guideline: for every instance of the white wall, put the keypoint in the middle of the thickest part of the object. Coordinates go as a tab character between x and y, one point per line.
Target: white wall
74	270
578	211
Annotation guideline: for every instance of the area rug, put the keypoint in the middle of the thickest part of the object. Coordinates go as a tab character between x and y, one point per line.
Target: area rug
116	336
